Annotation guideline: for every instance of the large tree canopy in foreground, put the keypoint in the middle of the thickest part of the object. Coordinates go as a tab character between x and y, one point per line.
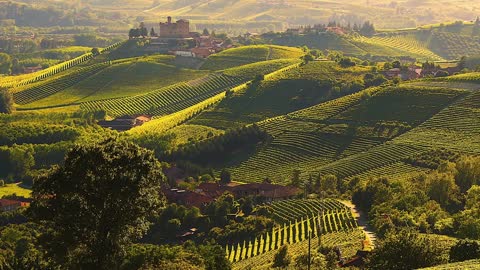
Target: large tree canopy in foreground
98	202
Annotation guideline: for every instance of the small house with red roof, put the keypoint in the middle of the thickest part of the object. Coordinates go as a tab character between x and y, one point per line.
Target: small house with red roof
10	205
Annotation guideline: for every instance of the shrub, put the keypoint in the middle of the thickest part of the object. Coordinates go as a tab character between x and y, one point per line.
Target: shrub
465	250
282	257
6	101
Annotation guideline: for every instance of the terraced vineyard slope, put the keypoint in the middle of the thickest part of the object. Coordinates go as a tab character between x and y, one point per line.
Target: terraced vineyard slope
291	90
180	96
335	137
250	54
334	218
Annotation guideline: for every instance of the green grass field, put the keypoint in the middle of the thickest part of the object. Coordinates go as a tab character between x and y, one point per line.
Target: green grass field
11	189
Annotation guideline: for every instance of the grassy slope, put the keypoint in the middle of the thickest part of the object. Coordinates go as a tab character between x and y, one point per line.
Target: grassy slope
334	137
122	79
292	90
178	97
187	133
466	265
11	189
249	54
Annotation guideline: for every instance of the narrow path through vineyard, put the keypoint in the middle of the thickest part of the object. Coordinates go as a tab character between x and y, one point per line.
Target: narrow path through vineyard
362	222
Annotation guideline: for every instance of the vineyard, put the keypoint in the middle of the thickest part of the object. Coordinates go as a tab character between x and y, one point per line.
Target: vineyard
292	90
346	136
123	78
291	210
248	55
334	217
348	241
457	128
399	45
180	96
395	171
409	105
49	87
454	45
22	80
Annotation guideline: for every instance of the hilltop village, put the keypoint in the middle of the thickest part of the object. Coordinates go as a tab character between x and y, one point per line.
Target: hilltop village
177	39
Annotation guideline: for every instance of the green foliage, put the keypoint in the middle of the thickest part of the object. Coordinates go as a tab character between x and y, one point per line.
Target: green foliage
220	147
432	158
374	79
468	172
143	256
19	248
367	29
282	258
225	176
465	250
171	221
98	202
5	63
441	188
6	101
250	227
405	250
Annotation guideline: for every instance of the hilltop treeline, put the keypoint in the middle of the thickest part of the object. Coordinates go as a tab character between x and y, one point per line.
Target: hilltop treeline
218	149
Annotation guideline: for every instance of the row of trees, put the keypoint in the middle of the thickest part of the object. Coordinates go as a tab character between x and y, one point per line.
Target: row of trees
218	148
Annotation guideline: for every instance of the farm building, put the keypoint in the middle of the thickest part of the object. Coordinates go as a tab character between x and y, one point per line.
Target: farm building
9	205
126	122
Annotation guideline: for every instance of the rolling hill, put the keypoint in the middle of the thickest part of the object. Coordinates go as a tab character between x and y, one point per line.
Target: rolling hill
248	55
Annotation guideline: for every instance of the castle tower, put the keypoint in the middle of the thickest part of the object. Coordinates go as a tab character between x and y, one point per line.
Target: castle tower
179	29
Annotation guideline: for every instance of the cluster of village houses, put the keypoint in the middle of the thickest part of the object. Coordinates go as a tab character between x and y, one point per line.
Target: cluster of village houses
176	38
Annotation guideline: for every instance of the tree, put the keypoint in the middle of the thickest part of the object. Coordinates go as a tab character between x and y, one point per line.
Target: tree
134	33
6	101
406	250
441	188
18	250
347	62
225	176
143	30
441	73
307	58
152	32
5	63
295	180
367	29
464	250
282	258
97	203
396	64
468	172
473	197
95	51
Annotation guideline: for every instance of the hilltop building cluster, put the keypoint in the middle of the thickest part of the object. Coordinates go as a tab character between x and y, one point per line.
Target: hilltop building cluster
208	192
177	38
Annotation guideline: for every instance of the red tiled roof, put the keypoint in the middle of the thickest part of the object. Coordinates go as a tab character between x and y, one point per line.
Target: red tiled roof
5	202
